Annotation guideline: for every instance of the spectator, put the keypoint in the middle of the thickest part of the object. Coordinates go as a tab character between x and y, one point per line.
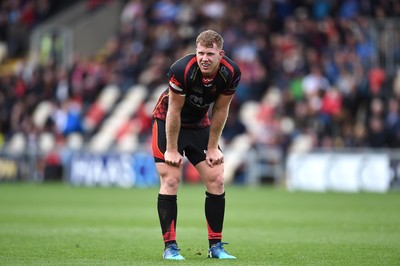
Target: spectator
322	56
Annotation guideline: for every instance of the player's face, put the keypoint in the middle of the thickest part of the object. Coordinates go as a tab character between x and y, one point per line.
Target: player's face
208	59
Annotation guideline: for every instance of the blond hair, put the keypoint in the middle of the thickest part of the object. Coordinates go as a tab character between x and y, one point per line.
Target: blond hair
208	38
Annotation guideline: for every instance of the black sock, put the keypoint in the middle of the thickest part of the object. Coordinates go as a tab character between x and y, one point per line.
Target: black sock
167	213
215	211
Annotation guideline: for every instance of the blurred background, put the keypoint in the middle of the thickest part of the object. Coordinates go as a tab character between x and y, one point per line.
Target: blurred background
317	107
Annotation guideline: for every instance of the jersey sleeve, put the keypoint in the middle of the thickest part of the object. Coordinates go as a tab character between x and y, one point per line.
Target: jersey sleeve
176	78
235	75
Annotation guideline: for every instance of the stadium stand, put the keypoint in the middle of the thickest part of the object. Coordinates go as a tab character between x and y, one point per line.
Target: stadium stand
316	74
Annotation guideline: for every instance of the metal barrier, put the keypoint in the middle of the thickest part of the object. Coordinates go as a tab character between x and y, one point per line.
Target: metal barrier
385	36
335	170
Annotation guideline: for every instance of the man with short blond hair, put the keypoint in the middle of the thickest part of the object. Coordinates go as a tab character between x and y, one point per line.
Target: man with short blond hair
182	127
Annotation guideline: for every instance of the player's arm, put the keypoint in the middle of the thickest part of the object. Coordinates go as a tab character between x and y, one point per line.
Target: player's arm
219	115
221	109
173	124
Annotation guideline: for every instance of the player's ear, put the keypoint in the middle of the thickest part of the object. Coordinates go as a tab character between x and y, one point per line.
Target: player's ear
222	53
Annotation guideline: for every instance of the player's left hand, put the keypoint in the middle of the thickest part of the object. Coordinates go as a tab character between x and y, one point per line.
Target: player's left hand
214	157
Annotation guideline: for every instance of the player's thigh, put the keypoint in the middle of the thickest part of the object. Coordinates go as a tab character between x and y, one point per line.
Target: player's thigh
168	171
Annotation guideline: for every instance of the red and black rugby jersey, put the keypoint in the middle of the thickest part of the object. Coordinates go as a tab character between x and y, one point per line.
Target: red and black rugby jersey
185	78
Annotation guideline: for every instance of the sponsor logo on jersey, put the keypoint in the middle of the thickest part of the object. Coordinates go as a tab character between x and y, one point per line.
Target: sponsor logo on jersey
197	101
224	71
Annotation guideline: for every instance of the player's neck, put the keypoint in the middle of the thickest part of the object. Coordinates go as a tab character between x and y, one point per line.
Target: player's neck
209	76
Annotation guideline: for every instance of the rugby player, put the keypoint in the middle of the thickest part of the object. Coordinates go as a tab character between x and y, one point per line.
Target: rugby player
198	83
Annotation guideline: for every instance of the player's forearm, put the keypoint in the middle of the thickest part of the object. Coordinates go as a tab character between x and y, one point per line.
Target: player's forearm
218	121
172	125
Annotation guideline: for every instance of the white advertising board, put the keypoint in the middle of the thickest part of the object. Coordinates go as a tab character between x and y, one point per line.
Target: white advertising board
345	172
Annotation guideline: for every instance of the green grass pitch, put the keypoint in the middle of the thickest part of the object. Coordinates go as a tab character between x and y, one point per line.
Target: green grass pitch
57	224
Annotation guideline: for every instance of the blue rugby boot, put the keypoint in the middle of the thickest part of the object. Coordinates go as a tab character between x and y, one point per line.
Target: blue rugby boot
217	251
171	252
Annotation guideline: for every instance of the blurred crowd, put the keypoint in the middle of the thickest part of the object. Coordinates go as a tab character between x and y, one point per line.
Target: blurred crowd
311	76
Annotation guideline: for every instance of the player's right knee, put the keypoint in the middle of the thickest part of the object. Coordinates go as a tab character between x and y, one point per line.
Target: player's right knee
170	182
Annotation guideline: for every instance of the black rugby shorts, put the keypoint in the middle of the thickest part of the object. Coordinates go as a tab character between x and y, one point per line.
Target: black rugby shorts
192	143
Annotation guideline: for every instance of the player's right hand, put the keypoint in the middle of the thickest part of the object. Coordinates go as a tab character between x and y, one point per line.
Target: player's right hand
173	158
